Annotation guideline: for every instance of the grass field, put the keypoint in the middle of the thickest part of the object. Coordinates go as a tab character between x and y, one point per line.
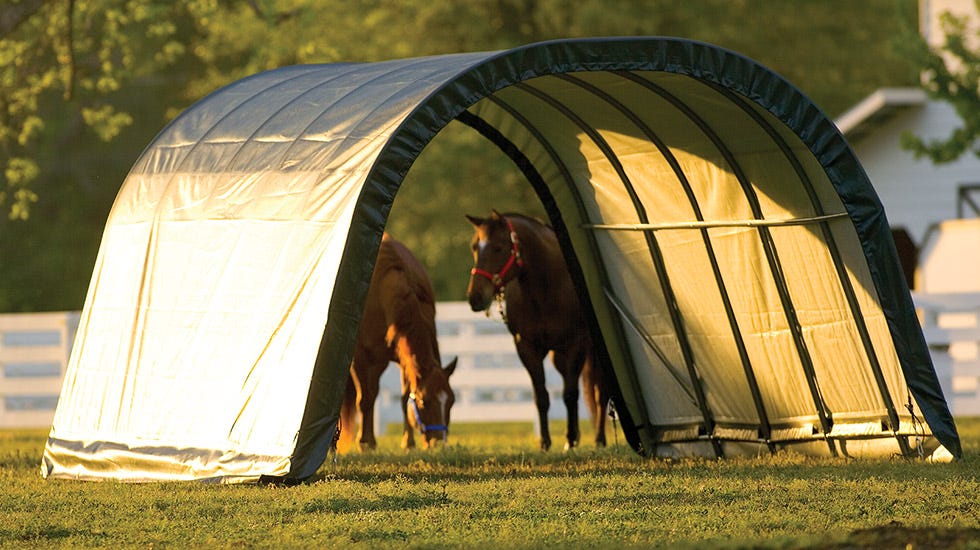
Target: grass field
493	489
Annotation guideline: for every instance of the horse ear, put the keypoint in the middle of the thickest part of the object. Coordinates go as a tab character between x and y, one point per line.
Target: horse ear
451	367
477	222
494	215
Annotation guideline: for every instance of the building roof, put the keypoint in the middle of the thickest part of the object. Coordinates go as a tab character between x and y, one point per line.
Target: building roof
876	109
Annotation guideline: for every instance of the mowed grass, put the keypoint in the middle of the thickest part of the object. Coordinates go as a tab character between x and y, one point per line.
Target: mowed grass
492	488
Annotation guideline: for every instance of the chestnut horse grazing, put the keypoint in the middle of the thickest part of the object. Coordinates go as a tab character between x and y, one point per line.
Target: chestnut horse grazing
398	325
518	259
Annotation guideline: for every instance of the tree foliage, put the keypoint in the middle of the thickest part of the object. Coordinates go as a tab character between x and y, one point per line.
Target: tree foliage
85	84
81	53
950	73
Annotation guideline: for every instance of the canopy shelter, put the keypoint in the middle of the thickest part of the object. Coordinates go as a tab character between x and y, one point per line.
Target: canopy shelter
736	261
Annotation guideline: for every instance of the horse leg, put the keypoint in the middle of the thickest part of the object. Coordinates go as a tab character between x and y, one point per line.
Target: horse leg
348	418
408	435
596	399
534	363
367	393
570	366
604	398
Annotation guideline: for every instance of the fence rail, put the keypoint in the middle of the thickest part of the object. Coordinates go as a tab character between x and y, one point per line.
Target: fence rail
490	382
34	350
951	327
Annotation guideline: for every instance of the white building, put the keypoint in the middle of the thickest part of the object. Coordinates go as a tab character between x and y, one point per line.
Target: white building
919	196
934	211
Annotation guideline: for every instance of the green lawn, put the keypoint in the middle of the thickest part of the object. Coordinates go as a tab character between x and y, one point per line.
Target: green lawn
493	488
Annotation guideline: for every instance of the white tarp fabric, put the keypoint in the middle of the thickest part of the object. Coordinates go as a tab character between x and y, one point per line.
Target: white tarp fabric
212	286
737	262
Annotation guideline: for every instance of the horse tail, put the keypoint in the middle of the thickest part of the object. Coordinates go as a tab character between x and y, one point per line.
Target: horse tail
347	425
592	387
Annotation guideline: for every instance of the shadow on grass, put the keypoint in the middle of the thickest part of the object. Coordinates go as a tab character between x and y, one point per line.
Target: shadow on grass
461	464
37	534
897	536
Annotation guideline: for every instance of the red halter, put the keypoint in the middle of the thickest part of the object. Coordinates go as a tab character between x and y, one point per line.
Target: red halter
515	258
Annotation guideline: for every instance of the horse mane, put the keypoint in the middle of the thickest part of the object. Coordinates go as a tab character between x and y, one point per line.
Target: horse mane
409	308
530	219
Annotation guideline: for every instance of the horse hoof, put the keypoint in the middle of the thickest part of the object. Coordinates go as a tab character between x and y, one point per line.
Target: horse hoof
569	446
545	445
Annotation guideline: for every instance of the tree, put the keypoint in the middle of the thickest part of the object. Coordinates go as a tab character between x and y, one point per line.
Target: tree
86	53
79	53
74	73
950	73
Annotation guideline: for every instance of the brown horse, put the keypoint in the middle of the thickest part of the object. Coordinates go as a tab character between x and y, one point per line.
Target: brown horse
518	259
398	325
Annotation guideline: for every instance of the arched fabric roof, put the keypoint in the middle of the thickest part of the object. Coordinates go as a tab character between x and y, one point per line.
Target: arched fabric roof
735	257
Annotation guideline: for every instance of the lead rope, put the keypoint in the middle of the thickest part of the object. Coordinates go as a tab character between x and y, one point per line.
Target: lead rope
919	427
499	298
500	306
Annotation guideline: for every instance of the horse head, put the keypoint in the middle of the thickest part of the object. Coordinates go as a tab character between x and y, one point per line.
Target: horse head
496	258
429	403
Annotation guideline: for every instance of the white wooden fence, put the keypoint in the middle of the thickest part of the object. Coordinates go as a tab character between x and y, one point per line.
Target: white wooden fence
951	326
34	350
490	382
